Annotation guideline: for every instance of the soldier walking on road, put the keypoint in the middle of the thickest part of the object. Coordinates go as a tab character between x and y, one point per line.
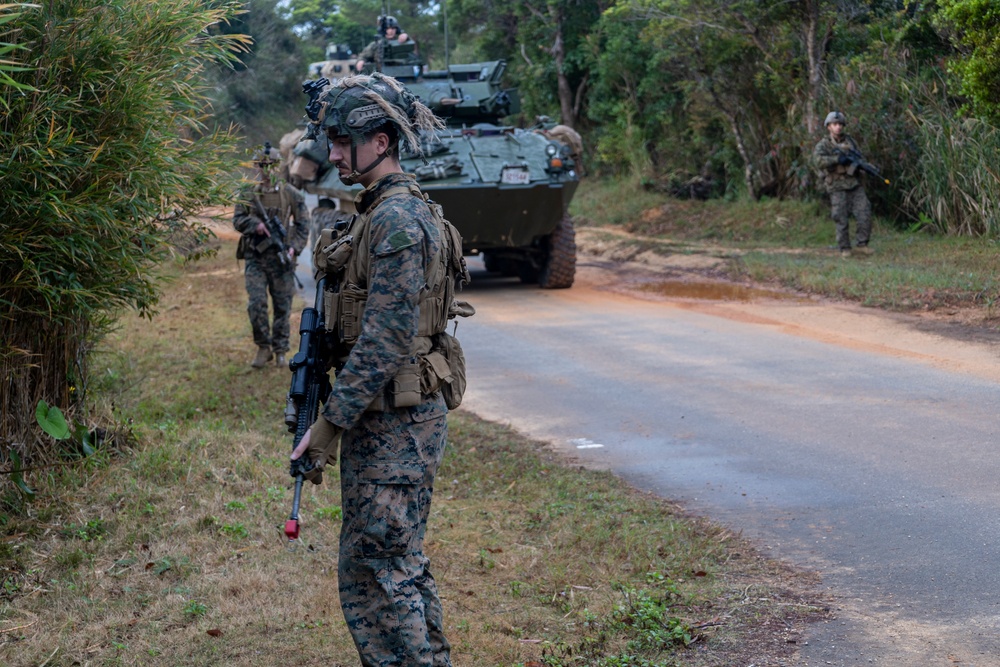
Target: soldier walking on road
844	185
270	247
394	296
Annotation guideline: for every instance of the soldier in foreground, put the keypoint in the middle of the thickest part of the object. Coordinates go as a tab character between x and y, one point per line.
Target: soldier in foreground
388	30
270	248
393	273
837	157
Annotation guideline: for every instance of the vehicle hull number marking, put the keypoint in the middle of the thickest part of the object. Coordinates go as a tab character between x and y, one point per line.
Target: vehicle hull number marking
515	176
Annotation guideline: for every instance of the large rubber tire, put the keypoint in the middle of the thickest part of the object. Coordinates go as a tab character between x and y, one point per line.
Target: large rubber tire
491	263
560	265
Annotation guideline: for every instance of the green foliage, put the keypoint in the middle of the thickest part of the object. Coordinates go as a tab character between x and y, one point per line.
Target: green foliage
353	22
645	616
17	476
959	190
107	153
93	530
52	421
10	51
334	513
977	33
527	35
195	609
236	531
261	92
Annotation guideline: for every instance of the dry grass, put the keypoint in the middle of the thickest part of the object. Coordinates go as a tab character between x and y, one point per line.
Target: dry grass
173	554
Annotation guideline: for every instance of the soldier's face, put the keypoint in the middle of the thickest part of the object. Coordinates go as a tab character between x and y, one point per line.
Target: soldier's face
390	33
340	153
836	129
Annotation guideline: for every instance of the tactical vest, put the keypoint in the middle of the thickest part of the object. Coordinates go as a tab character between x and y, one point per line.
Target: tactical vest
436	361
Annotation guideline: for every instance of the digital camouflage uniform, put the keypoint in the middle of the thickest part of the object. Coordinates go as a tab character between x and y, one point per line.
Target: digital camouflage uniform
389	457
264	271
847	192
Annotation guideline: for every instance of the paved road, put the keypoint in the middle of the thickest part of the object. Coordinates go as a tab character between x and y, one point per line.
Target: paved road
878	470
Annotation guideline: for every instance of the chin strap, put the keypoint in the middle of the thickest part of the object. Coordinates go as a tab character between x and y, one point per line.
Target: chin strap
353	177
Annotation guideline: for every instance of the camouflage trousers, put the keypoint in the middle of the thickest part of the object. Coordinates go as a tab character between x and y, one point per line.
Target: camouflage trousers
265	274
388	595
843	204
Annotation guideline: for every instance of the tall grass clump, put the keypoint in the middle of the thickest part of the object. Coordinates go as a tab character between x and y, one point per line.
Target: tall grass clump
959	187
105	152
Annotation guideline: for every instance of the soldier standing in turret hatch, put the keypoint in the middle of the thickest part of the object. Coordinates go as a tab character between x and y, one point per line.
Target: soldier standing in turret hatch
389	30
843	183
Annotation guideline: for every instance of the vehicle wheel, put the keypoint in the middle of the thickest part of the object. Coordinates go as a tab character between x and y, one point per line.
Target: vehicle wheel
560	265
527	272
492	264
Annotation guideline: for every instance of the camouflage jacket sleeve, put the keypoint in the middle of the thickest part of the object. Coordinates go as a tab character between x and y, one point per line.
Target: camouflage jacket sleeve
368	53
825	155
298	234
399	254
244	219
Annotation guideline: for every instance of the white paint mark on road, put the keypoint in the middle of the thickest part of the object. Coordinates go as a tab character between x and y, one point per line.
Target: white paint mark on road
585	443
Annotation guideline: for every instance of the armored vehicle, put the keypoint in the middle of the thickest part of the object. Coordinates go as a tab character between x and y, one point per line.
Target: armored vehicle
339	63
506	189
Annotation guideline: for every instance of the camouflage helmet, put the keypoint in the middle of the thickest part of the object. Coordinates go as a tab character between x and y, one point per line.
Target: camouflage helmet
835	117
267	156
358	106
386	22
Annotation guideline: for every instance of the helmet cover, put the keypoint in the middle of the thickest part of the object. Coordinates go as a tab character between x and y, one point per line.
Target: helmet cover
386	22
835	117
358	106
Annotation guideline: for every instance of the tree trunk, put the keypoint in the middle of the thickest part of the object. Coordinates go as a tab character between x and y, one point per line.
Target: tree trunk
565	90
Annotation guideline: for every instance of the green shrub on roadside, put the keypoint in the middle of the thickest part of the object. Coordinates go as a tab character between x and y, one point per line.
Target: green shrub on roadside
107	152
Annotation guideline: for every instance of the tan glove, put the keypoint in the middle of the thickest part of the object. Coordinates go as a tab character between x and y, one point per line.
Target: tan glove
324	442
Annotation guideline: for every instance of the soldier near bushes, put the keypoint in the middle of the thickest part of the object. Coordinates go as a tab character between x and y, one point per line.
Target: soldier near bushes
274	222
837	157
392	276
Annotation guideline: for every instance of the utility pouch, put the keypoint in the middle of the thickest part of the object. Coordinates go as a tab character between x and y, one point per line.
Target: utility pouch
434	372
338	253
352	307
241	247
331	309
452	388
404	390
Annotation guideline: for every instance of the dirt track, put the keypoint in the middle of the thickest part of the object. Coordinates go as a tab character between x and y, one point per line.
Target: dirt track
944	340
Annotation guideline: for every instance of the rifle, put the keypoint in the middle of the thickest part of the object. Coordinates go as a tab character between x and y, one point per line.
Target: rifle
276	229
310	367
309	389
854	155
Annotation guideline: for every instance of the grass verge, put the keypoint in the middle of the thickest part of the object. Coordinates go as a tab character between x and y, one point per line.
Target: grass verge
172	553
791	244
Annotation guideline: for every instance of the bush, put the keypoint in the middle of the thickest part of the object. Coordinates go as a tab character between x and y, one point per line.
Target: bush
106	153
